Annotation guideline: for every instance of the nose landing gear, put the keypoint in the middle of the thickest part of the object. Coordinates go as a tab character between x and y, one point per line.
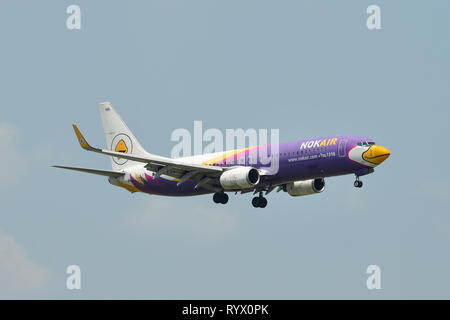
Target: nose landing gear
260	201
220	197
358	183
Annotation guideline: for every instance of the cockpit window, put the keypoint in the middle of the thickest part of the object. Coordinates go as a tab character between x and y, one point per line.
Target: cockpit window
365	143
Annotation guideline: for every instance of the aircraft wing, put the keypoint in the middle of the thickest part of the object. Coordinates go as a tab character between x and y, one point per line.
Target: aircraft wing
207	176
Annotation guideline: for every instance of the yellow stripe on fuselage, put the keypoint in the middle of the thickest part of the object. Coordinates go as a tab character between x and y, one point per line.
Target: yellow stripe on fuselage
138	178
132	189
224	156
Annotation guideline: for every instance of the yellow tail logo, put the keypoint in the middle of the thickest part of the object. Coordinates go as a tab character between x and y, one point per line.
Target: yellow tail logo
121	147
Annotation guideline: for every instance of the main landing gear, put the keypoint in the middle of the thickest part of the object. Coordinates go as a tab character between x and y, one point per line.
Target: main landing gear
260	201
220	197
257	202
358	183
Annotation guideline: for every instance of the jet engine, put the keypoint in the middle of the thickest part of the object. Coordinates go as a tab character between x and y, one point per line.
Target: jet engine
303	188
239	178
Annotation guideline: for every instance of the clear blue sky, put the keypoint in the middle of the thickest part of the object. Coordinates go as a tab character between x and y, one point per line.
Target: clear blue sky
307	68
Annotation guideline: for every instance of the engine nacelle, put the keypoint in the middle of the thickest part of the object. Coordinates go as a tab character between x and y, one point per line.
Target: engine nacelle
239	178
303	188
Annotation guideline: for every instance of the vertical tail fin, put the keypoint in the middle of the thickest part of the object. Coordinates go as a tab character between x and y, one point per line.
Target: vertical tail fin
119	138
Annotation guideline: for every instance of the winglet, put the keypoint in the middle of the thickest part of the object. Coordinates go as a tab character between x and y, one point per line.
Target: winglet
81	139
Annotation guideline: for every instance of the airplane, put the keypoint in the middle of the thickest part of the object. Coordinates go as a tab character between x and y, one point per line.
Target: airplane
303	165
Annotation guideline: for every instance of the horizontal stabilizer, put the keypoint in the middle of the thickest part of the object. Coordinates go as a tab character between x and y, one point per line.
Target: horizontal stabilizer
106	173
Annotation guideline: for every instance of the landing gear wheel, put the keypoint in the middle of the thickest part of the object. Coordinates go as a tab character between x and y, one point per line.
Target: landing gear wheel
358	184
262	202
259	202
255	202
220	197
216	197
224	198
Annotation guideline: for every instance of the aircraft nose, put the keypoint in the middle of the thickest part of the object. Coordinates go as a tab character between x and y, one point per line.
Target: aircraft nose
376	154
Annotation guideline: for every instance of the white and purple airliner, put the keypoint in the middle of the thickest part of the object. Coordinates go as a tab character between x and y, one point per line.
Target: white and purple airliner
302	165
